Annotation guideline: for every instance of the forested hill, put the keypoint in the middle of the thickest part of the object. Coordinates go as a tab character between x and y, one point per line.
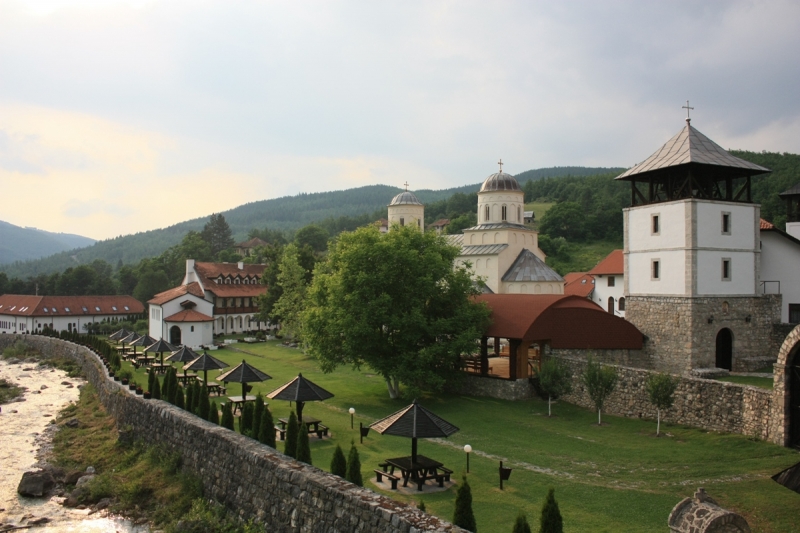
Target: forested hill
20	244
287	213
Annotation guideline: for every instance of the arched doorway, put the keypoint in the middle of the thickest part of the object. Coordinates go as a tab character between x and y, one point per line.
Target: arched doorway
793	370
611	304
175	336
725	349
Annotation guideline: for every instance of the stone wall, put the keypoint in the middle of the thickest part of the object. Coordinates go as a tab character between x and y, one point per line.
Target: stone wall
681	332
499	388
252	479
708	404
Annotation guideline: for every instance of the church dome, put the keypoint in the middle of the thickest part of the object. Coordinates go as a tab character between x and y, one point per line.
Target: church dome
405	198
500	182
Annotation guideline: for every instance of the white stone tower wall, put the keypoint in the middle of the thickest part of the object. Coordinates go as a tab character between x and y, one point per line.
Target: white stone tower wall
412	215
513	200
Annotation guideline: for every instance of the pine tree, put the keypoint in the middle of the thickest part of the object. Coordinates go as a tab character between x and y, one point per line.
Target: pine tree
151	376
339	463
190	398
290	447
217	233
196	396
180	399
354	467
168	390
303	446
246	421
257	413
266	430
521	525
550	521
213	415
155	392
463	515
204	405
227	416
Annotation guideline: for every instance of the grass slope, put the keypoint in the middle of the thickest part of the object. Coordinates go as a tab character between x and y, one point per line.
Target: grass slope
618	477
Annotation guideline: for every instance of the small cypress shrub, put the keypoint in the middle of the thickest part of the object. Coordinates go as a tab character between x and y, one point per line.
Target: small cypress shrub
463	515
151	376
190	398
258	410
266	430
521	525
155	392
550	521
204	405
246	421
170	385
196	396
354	466
213	415
339	463
227	416
290	447
303	447
180	399
421	506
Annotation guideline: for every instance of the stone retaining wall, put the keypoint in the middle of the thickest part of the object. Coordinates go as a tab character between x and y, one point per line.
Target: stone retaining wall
252	479
499	388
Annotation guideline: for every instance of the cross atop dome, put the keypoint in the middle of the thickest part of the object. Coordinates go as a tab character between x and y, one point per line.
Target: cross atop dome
501	165
687	108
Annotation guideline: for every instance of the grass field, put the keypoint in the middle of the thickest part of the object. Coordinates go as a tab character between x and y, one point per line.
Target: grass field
764	383
581	257
615	478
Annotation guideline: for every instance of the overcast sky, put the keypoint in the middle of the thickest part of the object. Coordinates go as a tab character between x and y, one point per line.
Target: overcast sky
124	116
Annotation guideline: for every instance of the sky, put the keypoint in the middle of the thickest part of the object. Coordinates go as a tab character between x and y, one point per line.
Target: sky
123	116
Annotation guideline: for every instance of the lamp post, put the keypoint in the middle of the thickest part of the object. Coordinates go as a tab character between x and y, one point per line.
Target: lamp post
352	411
468	450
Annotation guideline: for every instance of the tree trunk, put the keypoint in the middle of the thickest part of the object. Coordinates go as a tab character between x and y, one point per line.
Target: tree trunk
599	421
658	423
548	406
394	387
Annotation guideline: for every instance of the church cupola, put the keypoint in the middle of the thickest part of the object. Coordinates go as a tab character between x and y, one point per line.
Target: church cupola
501	200
405	209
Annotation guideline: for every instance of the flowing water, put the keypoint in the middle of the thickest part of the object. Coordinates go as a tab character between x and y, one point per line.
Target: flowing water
25	434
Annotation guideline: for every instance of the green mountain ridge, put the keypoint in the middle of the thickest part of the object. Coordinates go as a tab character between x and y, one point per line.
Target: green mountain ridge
23	244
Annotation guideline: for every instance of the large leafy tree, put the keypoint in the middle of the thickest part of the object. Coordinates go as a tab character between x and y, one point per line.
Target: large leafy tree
217	233
394	302
312	235
291	277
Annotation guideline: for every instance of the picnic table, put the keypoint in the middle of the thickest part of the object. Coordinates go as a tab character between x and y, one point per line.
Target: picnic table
186	378
213	387
143	360
159	368
314	425
238	401
419	471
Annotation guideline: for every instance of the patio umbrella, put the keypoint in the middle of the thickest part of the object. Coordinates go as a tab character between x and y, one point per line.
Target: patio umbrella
159	347
144	341
415	422
129	339
119	334
184	354
244	374
205	363
300	390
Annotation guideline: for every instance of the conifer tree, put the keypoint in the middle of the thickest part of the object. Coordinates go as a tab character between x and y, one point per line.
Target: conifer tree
227	416
151	376
338	462
180	399
550	521
213	415
290	447
196	395
204	405
258	411
217	233
266	430
168	390
190	398
463	515
155	392
521	525
354	466
303	446
246	420
421	506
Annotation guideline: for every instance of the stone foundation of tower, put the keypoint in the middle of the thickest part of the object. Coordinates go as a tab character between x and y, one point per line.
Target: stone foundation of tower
681	332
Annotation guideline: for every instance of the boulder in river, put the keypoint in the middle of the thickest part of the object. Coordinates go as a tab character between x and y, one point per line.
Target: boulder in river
36	484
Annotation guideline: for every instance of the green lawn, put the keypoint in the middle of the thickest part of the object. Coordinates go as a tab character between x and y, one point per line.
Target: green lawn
581	256
618	477
764	383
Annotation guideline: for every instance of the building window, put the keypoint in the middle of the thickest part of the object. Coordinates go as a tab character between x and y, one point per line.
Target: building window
726	269
504	212
655	270
486	214
726	223
402	221
612	281
519	214
621	304
192	328
794	313
655	224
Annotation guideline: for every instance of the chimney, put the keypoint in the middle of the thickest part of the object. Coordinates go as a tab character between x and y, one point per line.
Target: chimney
240	264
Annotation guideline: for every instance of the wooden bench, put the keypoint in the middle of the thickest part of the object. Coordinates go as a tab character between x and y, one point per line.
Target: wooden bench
385	466
391	477
438	477
281	433
445	472
322	430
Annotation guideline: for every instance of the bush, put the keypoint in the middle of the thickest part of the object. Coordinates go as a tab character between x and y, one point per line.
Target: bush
155	392
290	448
354	466
257	414
521	525
463	515
266	430
555	380
661	390
227	416
213	414
246	421
550	521
303	447
339	463
600	381
180	399
204	405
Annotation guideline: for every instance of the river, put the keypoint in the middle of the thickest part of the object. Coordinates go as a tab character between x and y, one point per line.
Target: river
26	432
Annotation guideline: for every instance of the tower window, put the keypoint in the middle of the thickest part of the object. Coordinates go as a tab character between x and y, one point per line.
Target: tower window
486	215
519	214
655	270
504	212
402	221
726	269
612	281
726	223
655	226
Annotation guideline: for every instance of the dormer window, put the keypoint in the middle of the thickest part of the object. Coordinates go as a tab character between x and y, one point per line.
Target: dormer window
97	309
66	309
114	307
127	308
53	309
85	310
45	310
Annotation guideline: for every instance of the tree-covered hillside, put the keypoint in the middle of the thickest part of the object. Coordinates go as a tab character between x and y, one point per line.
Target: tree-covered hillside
21	244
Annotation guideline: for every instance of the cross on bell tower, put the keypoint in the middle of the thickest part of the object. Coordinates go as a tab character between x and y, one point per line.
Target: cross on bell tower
688	109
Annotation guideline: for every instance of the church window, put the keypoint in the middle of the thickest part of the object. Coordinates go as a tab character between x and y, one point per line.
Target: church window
655	225
726	269
726	223
519	214
486	215
402	221
621	304
794	313
419	224
655	270
612	281
504	211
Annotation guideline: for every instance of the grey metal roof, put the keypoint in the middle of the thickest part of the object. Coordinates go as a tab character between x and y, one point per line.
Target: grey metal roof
300	390
793	191
528	267
184	354
497	225
690	146
119	335
482	249
404	198
455	240
500	182
414	421
243	373
160	346
206	362
527	214
144	340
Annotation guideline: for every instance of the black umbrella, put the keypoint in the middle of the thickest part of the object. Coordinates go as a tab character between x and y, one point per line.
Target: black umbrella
129	339
415	422
300	390
205	363
244	374
144	341
160	347
183	355
119	335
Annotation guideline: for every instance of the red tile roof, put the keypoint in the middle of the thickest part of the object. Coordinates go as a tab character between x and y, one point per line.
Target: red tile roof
252	243
579	284
210	272
188	315
171	294
613	264
767	225
237	291
26	305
